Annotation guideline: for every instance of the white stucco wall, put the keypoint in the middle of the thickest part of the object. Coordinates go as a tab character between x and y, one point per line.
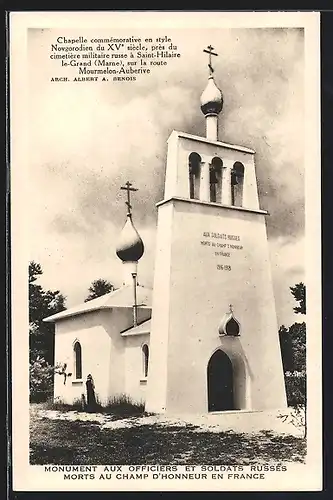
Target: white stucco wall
192	295
159	335
136	382
103	354
180	146
96	348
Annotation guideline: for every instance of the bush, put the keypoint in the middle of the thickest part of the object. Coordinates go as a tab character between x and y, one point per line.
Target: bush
41	380
296	398
124	405
120	406
296	388
59	405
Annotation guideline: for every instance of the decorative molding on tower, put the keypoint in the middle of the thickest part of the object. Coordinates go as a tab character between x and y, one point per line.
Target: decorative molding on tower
229	325
211	204
175	134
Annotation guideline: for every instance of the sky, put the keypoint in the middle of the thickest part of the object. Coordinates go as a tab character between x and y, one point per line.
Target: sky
88	139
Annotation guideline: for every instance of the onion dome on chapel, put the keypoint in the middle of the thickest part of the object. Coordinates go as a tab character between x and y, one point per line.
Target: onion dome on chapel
130	246
211	98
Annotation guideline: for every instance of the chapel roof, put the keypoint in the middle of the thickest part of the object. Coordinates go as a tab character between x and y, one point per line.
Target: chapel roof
122	297
140	329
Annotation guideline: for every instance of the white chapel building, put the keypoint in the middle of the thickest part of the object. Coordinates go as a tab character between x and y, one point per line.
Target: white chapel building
206	337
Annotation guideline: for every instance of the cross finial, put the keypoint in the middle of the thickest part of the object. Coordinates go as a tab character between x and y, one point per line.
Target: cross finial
230	308
128	187
210	53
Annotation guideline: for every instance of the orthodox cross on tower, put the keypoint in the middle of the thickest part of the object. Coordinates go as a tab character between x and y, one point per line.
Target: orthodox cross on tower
128	187
230	308
210	53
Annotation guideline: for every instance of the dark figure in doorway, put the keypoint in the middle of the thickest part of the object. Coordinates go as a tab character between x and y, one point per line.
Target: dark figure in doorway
91	399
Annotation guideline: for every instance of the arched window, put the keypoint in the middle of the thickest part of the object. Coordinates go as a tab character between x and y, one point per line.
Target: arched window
77	360
215	179
194	161
145	359
237	180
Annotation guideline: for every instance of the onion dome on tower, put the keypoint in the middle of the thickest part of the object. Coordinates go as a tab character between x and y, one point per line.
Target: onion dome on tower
211	98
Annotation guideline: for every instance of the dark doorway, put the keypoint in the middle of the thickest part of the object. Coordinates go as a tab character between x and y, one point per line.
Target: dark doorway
220	382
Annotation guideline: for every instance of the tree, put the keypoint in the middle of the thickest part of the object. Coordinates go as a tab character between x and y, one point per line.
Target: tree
293	352
35	270
41	380
297	331
286	346
297	334
293	339
42	303
299	293
98	288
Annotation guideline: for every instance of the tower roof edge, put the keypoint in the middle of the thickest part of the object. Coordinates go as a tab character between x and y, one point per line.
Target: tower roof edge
198	138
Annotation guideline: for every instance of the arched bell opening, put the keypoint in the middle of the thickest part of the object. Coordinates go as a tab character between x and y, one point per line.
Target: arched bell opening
194	163
237	183
215	179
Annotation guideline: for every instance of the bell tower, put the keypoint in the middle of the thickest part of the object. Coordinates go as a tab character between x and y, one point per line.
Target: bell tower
214	336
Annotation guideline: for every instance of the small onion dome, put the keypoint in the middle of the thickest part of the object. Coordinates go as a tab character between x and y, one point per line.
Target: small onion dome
211	98
229	325
130	245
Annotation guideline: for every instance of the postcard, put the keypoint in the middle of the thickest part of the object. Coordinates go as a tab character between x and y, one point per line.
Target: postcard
165	251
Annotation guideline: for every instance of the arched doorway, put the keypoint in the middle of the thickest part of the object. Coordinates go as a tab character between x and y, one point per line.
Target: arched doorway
220	382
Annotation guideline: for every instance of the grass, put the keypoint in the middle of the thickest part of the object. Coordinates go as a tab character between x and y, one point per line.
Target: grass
77	442
124	406
121	406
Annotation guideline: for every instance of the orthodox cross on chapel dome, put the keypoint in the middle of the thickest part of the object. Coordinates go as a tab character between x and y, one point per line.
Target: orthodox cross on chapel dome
128	187
210	53
130	246
230	308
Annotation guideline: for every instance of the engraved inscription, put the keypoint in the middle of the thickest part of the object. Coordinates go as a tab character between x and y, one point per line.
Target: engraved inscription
223	249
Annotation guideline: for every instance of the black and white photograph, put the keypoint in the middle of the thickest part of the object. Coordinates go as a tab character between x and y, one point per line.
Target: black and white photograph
165	249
